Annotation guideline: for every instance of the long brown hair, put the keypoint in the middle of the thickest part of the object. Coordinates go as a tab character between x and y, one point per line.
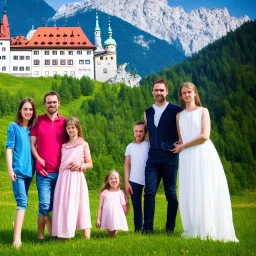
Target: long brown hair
19	118
106	183
75	121
192	87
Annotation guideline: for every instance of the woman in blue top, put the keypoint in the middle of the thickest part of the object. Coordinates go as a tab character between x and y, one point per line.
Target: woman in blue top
20	161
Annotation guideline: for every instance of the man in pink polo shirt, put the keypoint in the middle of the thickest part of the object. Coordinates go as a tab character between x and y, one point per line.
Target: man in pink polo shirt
47	137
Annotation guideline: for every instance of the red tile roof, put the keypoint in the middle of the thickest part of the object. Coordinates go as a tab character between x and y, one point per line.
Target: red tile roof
56	37
19	41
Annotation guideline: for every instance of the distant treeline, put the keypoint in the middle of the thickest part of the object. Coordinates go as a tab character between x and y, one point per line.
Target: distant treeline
72	88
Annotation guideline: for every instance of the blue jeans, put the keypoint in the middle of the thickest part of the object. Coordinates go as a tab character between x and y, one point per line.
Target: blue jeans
154	171
45	187
20	189
137	204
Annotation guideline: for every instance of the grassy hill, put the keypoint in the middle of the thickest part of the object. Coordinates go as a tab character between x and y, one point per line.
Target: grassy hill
22	87
225	73
13	89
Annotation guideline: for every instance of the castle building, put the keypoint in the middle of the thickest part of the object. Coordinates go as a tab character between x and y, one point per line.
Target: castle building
49	51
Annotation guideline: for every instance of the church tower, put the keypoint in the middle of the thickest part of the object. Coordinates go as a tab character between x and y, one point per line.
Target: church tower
5	41
110	43
97	36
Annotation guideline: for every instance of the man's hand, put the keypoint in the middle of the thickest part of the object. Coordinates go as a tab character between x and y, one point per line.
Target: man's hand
40	167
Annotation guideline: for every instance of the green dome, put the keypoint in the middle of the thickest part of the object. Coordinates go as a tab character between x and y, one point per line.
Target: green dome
110	41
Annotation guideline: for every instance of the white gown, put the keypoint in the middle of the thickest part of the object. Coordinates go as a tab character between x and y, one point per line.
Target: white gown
204	199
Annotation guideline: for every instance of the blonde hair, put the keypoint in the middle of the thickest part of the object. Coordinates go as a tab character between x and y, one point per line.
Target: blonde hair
192	87
106	182
74	121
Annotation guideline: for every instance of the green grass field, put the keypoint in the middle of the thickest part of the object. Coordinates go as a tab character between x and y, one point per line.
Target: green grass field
126	243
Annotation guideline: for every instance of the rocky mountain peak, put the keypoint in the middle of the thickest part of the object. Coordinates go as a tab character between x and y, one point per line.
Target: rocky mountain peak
189	32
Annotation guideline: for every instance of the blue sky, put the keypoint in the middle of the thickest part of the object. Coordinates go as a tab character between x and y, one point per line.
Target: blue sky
235	7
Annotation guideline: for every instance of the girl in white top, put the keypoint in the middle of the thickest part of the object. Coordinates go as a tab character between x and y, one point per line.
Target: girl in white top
136	155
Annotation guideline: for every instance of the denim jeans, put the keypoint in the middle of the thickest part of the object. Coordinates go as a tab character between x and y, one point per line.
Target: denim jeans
154	171
45	187
137	204
20	189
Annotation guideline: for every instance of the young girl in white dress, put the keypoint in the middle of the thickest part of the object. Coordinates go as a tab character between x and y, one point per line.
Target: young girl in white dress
71	208
113	206
204	199
136	155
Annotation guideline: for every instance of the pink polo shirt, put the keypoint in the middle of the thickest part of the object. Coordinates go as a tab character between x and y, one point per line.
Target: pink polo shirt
50	135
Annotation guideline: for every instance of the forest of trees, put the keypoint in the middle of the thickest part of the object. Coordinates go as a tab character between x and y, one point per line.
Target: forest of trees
225	74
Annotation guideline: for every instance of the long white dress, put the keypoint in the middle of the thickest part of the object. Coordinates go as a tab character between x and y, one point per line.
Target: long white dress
204	199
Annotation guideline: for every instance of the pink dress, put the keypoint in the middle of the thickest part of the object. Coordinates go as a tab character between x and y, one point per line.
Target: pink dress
113	217
71	208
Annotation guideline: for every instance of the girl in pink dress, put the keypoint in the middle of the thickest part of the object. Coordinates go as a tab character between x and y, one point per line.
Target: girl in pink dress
71	208
112	206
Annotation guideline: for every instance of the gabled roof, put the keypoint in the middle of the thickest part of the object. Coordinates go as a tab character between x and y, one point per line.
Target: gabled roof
57	37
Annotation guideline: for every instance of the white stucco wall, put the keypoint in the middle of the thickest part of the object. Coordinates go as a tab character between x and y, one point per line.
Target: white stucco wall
105	67
48	62
5	56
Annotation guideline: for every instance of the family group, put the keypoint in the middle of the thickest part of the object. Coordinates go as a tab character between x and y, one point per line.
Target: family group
179	136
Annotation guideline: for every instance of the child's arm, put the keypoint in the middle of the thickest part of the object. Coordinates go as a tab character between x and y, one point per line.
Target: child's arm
98	223
127	167
126	206
124	200
87	159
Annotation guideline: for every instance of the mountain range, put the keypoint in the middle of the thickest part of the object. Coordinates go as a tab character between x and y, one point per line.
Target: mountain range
188	32
150	35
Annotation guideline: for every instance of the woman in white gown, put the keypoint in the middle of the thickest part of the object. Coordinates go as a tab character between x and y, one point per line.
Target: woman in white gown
205	205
